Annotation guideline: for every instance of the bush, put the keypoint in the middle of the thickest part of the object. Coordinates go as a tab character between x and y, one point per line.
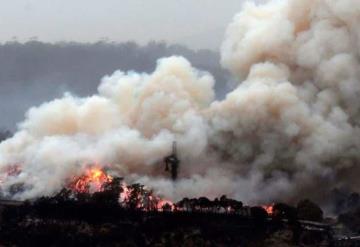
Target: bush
308	210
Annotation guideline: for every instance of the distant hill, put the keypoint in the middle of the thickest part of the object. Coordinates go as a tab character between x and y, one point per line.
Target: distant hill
33	72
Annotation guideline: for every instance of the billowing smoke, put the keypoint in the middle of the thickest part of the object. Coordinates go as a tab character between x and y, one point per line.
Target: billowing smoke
290	127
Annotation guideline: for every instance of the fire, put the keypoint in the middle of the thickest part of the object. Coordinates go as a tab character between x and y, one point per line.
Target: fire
269	208
125	195
92	181
133	196
165	205
139	197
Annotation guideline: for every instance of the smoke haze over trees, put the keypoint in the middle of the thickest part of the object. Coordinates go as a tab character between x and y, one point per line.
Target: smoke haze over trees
34	72
288	129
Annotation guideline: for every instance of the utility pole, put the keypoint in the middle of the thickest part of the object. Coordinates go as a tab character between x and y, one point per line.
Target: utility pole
172	163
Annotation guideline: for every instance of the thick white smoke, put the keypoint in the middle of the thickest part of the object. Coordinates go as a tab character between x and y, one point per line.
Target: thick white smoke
290	127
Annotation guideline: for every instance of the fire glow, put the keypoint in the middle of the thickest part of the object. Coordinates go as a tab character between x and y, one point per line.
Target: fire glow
269	208
143	199
92	181
95	179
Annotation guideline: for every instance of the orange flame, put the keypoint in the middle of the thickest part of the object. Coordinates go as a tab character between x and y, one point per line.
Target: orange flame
124	196
145	200
92	181
269	208
165	205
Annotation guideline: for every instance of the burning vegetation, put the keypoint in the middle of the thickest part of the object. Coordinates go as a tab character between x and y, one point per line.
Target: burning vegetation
139	197
287	130
98	208
92	181
291	116
135	196
268	208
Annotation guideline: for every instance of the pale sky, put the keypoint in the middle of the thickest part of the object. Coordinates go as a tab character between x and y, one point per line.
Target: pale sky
196	23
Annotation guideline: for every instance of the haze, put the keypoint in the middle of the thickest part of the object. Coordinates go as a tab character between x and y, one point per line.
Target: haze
34	72
197	24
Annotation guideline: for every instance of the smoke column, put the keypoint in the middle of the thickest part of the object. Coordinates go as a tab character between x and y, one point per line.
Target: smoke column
290	128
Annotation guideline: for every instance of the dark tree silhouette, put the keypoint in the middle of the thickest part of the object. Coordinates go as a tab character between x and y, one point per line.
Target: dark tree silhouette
237	205
224	203
351	220
184	204
98	219
136	192
204	203
308	210
260	216
353	201
110	194
193	203
166	207
285	211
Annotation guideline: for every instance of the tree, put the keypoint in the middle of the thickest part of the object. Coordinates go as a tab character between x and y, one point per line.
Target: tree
308	210
237	205
351	220
111	192
204	203
166	207
260	217
63	196
285	211
184	204
194	204
353	201
224	203
136	192
216	204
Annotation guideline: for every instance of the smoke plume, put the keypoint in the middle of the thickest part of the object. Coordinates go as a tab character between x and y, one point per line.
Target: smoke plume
289	128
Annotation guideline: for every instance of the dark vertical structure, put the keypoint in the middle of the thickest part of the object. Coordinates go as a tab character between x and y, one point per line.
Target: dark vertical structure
172	163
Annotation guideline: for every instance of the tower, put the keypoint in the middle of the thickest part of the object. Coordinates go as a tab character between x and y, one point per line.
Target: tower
172	163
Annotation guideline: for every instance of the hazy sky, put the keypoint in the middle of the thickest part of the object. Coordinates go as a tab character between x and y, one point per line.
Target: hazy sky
197	23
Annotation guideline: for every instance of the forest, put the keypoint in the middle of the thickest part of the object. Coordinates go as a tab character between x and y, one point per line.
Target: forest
140	219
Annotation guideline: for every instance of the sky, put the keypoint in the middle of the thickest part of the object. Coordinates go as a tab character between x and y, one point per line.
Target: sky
198	24
195	23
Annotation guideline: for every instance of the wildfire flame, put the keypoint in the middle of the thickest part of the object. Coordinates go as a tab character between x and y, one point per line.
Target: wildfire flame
269	208
125	195
145	200
165	205
92	181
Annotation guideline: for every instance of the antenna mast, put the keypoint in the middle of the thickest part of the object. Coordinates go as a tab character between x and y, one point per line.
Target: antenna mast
172	162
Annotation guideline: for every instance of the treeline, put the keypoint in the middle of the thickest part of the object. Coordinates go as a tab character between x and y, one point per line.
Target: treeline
347	206
81	65
122	214
136	197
